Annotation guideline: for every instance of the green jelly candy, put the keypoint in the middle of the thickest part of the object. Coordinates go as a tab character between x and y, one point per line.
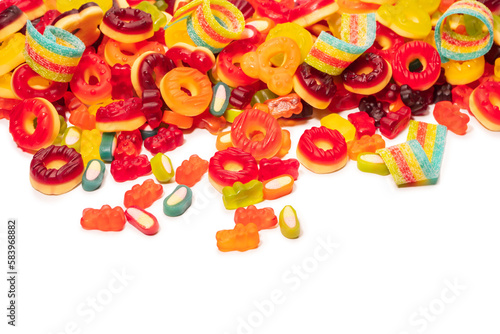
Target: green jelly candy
108	145
178	201
162	167
262	96
372	163
240	195
220	99
289	223
93	175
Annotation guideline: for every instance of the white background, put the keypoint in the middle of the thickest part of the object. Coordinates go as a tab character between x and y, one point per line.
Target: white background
398	252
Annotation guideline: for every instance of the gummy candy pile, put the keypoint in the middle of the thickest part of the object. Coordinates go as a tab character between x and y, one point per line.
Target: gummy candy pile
111	86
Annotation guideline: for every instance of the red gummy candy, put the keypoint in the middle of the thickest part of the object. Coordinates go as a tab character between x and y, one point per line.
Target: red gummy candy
394	122
262	218
191	171
364	124
460	96
143	195
130	168
449	115
271	168
121	82
167	139
103	219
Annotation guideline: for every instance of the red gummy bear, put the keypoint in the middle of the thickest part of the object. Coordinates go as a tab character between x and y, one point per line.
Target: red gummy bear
143	195
364	124
394	122
262	218
130	168
271	168
103	219
449	115
460	96
129	144
191	171
121	82
134	136
167	139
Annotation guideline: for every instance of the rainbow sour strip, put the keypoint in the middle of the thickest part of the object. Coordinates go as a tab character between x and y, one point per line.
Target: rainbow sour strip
332	55
53	55
408	164
452	45
432	138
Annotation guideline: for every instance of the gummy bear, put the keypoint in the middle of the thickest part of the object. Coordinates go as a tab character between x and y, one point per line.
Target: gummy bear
270	168
167	139
130	168
364	124
449	115
104	219
144	195
364	144
263	218
241	238
191	171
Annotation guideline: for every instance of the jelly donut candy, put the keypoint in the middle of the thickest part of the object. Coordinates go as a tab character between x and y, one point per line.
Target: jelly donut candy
120	116
28	135
53	55
406	19
367	75
11	53
91	82
231	165
463	72
127	25
453	45
198	85
386	43
12	19
332	55
313	86
148	70
294	31
322	150
484	102
56	170
199	58
252	123
428	57
227	64
26	84
126	53
84	21
257	64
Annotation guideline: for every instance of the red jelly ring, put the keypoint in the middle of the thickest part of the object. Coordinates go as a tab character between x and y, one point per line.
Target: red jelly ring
322	150
367	83
252	124
148	70
232	165
313	86
227	65
22	124
386	43
58	179
91	82
127	25
22	85
484	104
428	57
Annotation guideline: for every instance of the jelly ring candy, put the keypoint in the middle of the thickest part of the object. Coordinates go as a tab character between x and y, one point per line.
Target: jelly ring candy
463	72
126	53
11	53
148	70
241	238
257	64
231	165
39	87
386	43
428	57
12	19
53	55
127	25
56	170
199	58
369	162
251	123
124	115
26	134
227	64
162	167
452	45
289	223
104	219
205	30
142	220
85	21
220	99
484	102
367	82
332	55
91	82
242	194
93	175
322	150
178	201
294	31
406	19
198	84
313	86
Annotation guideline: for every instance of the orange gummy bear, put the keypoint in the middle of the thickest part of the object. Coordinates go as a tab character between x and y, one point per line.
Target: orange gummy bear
364	144
103	219
241	238
144	195
191	171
